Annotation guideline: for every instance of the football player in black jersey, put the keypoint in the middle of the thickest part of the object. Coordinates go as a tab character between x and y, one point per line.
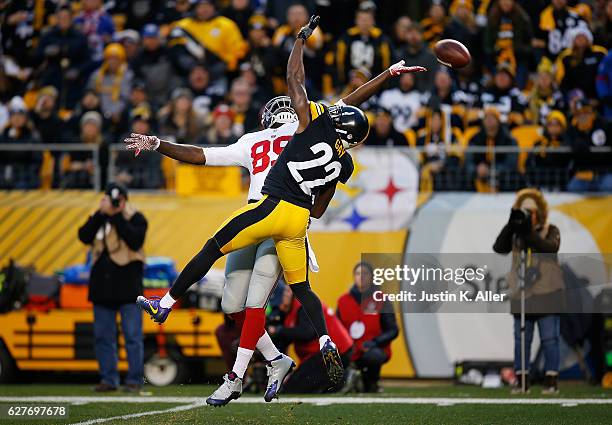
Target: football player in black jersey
299	185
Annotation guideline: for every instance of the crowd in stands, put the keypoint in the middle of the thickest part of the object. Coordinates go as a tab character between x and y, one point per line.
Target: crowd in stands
199	71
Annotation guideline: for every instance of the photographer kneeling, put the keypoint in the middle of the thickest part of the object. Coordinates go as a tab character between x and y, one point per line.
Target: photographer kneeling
116	232
529	232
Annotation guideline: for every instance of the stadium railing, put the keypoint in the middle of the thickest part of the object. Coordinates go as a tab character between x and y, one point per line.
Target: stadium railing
51	167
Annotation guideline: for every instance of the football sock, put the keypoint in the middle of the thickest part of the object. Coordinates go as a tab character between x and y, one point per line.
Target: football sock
196	269
243	357
253	328
167	301
238	318
267	348
323	340
311	305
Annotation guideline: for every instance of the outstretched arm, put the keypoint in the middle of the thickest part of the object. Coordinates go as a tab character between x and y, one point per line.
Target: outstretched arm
364	92
296	76
184	153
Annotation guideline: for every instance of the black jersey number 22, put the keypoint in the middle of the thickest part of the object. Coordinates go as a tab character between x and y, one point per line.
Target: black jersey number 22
332	168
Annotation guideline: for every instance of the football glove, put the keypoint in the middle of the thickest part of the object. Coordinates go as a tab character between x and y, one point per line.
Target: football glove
141	142
307	31
399	68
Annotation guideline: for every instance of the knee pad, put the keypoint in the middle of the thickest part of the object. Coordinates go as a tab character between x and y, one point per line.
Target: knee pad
235	291
261	285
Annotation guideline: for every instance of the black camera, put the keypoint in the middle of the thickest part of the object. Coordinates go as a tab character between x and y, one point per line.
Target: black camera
114	192
520	220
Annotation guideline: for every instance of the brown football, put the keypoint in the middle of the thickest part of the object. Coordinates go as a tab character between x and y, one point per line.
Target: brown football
452	53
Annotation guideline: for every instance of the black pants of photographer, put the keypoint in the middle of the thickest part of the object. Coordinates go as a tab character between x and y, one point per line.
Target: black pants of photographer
370	364
310	377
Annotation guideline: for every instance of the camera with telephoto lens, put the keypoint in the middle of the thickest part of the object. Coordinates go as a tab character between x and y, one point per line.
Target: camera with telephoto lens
520	220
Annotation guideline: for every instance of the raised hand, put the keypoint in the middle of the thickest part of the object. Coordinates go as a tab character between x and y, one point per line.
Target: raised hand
307	31
399	68
141	142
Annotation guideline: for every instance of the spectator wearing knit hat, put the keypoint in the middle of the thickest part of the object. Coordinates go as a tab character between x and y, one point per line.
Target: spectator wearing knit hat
544	95
130	40
222	130
577	66
19	169
553	135
112	82
180	119
79	167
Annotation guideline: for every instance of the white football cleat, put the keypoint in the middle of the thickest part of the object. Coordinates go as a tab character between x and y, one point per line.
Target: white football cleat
231	389
277	371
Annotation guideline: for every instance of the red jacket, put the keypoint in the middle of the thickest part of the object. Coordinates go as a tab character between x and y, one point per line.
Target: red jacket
337	332
363	322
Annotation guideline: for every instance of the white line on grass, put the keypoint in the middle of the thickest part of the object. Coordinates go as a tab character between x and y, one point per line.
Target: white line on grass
139	415
320	401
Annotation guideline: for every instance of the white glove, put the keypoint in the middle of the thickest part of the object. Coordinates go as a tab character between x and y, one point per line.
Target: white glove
141	142
399	68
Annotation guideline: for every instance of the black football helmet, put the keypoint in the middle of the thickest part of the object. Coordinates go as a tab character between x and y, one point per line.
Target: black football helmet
351	124
278	111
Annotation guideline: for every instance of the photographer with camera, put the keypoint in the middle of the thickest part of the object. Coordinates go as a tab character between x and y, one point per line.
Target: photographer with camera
536	275
116	232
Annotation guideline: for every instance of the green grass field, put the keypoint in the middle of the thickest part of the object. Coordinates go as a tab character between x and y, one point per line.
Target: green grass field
412	404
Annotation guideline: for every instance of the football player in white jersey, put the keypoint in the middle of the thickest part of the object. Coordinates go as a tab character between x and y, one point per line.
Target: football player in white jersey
251	272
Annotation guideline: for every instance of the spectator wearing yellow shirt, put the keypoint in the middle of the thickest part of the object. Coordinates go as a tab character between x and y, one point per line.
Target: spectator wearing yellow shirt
206	38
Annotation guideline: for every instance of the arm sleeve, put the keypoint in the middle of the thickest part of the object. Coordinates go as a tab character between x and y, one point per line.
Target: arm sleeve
389	328
302	331
133	231
87	232
234	154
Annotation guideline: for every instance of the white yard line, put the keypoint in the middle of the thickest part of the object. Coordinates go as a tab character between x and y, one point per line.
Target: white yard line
139	415
319	401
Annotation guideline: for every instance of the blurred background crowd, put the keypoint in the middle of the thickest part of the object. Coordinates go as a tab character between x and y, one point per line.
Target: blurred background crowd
90	72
